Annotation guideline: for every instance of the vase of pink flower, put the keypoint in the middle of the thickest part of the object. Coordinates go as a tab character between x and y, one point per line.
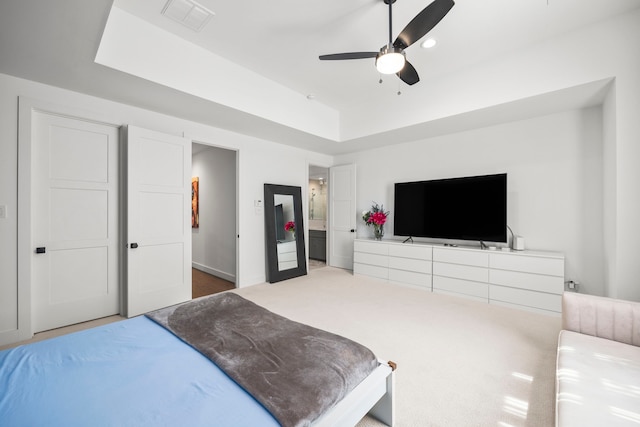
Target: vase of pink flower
376	217
291	227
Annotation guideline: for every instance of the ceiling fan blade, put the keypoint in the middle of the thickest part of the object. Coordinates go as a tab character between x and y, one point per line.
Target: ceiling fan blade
408	74
423	23
348	55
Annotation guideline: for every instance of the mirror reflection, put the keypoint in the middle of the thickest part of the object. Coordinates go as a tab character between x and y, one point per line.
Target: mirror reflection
285	224
317	199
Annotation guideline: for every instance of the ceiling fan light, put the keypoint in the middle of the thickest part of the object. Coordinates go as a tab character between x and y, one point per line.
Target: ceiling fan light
429	43
390	60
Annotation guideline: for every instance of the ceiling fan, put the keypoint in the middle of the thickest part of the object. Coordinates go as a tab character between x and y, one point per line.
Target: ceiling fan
391	58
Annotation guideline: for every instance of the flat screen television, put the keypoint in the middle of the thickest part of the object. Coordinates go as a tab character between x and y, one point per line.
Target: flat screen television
466	208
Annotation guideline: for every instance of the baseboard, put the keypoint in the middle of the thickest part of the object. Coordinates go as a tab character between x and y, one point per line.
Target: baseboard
214	272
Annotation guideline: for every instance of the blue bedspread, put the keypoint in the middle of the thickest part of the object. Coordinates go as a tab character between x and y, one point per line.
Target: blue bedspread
128	373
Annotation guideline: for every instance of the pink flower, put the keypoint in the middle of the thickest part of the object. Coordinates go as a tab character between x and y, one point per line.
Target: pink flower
378	218
290	226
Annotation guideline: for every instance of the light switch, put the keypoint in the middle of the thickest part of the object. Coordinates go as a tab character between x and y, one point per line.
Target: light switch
257	203
3	211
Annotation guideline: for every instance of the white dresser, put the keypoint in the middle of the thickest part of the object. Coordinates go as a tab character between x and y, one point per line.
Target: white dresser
530	279
287	255
461	271
393	261
527	280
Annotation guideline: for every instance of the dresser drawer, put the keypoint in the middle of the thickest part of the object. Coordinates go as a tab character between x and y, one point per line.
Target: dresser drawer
286	247
550	302
370	247
528	264
466	272
461	256
372	259
417	265
410	251
371	270
287	256
534	282
287	265
466	287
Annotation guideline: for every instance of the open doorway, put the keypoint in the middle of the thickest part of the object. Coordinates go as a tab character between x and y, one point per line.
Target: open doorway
213	171
318	216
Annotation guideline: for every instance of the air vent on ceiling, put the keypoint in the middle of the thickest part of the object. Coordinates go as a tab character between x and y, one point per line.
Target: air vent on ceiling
187	12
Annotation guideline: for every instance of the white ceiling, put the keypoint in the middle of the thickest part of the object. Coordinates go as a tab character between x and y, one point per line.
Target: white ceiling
282	40
55	42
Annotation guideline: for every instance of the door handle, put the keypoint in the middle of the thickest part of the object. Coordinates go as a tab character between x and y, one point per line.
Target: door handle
134	245
41	250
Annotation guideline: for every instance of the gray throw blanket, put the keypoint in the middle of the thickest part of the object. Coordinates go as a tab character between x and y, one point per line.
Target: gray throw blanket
295	371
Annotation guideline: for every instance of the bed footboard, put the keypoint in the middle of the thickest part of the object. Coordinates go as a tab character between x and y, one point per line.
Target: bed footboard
384	410
373	396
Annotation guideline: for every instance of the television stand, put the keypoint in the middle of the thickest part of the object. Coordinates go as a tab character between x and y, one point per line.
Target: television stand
526	279
408	239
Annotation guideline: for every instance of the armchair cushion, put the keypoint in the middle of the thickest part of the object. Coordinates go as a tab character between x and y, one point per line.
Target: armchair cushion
597	381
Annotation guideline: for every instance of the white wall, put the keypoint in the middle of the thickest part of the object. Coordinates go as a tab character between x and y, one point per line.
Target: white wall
599	52
214	242
555	181
8	198
259	162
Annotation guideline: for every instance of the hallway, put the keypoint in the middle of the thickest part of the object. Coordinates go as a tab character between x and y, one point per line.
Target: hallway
206	284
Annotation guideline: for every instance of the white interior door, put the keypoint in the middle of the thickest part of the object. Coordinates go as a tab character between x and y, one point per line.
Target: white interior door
342	229
158	229
74	217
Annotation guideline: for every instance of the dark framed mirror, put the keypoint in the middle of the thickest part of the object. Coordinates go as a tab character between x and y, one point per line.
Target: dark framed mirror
284	232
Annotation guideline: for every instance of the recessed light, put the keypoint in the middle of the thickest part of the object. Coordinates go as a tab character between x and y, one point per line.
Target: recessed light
311	96
429	43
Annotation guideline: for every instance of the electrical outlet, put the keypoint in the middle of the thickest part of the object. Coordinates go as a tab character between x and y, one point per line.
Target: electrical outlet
3	211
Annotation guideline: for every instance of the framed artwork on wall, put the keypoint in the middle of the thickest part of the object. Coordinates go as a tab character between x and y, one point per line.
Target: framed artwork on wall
195	194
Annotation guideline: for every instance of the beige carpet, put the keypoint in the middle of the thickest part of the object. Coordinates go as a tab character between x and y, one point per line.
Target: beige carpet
460	362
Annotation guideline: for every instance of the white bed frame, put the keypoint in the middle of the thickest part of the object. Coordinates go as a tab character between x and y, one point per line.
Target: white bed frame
374	395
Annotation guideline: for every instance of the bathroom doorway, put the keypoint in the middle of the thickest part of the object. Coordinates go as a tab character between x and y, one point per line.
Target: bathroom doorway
318	216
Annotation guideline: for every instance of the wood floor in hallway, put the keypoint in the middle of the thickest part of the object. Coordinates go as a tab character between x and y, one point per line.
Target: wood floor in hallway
206	284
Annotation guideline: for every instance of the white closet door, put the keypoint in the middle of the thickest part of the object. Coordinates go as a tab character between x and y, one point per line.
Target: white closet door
158	229
343	215
74	265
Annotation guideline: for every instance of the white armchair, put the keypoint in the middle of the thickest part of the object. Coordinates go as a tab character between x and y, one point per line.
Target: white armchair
598	362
